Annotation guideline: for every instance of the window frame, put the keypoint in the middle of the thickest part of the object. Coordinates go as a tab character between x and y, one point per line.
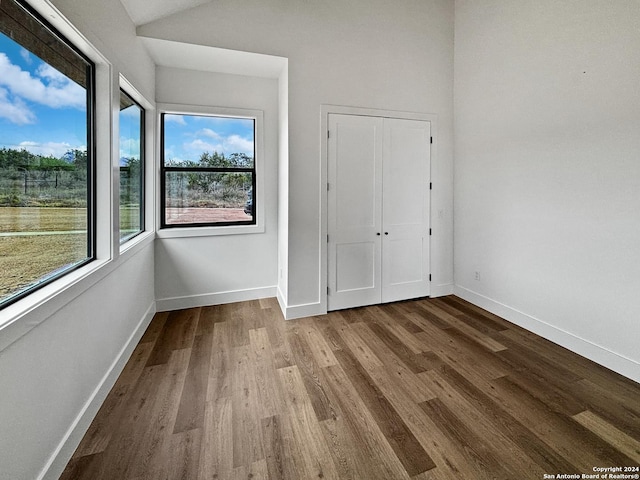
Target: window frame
143	187
221	228
91	208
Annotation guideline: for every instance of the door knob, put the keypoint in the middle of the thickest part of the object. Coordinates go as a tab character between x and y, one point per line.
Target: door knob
378	234
386	233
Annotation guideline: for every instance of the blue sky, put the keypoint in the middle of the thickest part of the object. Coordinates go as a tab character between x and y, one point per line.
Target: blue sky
129	133
188	136
41	110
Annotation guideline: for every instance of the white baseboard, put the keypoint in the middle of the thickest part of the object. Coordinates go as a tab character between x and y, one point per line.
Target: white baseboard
616	362
441	290
305	310
312	309
282	301
298	311
192	301
62	454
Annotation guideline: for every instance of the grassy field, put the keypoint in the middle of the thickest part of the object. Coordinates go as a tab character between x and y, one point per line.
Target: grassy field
25	259
129	220
42	219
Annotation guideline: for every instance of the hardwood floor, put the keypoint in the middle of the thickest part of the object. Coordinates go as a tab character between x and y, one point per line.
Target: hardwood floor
423	389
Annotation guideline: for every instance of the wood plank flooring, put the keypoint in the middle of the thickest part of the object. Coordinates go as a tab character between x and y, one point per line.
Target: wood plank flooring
422	389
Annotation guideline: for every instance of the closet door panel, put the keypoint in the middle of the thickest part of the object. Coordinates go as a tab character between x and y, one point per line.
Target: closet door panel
354	210
405	209
378	210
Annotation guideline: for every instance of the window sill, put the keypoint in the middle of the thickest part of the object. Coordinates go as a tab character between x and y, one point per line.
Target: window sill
209	231
130	247
22	316
17	319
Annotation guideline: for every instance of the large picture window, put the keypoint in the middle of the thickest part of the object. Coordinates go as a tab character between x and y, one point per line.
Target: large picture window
131	167
208	171
46	158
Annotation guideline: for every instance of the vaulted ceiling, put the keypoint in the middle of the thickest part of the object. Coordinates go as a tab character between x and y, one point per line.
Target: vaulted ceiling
145	11
197	57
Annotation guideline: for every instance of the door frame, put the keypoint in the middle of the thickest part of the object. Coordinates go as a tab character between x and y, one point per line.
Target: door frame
325	110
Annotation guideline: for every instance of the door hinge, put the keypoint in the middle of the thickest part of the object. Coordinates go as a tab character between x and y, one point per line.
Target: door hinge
328	134
429	231
328	186
327	238
430	186
431	140
328	291
429	277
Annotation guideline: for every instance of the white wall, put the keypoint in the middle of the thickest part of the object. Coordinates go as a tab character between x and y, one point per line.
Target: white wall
50	376
54	377
283	188
547	171
204	270
107	26
374	54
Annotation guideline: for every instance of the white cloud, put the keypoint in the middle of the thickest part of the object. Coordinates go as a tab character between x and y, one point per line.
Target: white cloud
15	111
55	78
207	132
175	119
52	89
130	147
170	156
55	149
201	146
26	55
226	145
237	144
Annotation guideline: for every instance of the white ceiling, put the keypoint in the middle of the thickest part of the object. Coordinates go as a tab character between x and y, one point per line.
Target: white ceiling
188	56
145	11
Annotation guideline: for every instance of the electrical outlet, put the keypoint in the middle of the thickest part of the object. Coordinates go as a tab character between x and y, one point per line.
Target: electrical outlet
477	276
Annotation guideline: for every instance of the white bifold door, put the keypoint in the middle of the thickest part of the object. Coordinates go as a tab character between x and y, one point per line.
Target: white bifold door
378	210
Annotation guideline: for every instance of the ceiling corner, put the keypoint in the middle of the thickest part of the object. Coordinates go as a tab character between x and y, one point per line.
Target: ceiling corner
145	11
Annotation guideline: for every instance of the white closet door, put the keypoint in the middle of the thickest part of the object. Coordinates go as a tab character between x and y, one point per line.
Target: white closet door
354	210
406	176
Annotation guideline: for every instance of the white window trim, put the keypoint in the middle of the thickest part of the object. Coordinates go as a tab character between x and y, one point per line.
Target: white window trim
149	147
20	317
205	231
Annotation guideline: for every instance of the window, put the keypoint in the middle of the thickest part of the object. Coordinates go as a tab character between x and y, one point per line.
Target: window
46	157
131	167
208	170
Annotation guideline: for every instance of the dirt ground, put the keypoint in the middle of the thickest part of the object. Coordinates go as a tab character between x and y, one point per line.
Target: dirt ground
177	216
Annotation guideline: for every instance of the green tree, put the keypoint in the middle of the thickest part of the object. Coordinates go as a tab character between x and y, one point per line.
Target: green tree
225	181
130	181
32	179
10	158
